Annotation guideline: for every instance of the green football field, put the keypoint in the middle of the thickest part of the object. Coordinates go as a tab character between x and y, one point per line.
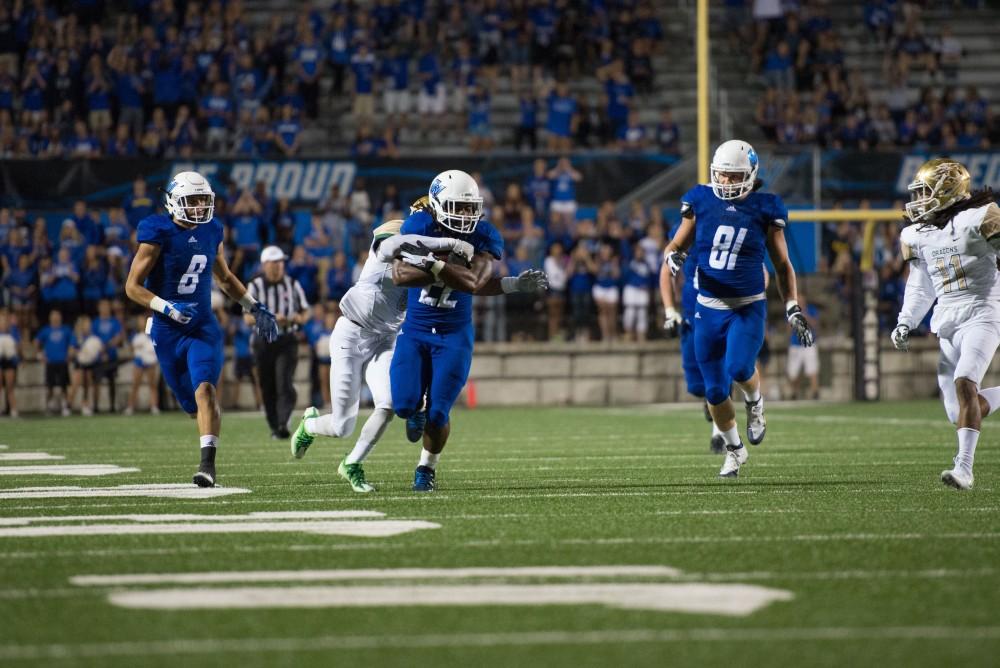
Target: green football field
557	537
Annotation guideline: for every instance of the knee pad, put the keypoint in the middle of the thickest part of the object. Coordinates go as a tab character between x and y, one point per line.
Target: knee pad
716	395
744	373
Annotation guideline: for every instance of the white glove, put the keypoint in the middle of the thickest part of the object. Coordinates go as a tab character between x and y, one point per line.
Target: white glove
464	250
672	322
675	261
417	255
901	337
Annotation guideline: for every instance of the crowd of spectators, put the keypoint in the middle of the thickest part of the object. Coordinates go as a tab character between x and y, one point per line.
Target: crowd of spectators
173	78
812	96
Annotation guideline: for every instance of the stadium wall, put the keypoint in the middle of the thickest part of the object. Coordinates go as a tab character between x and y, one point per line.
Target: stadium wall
552	374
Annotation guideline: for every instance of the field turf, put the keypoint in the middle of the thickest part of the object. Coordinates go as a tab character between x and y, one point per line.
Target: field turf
840	510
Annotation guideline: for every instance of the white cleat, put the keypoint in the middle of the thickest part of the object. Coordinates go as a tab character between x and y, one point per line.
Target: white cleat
736	455
756	424
957	478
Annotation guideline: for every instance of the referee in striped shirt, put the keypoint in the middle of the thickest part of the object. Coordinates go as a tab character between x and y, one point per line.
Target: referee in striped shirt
284	297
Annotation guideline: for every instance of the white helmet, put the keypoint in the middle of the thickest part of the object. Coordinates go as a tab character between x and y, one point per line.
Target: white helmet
734	156
455	200
190	198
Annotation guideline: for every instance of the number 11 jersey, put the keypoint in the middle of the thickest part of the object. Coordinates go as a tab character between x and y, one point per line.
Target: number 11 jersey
731	242
183	272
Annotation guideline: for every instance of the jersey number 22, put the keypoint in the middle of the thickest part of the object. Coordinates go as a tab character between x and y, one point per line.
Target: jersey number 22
189	281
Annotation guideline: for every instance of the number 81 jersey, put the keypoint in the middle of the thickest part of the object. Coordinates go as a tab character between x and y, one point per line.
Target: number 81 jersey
961	263
731	241
183	272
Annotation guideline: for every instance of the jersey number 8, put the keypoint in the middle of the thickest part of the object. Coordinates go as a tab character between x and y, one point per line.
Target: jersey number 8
726	247
189	281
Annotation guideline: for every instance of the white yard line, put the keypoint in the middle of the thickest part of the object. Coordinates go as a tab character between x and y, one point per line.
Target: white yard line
67	470
348	574
189	517
28	456
364	528
226	646
168	491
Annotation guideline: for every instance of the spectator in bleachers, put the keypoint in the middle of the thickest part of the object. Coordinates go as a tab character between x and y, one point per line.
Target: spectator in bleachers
93	278
338	50
85	358
555	267
338	281
464	70
184	134
526	134
288	133
637	289
109	330
668	134
144	368
879	19
303	269
363	67
20	283
60	285
308	61
10	359
138	204
562	207
56	343
395	74
366	144
620	94
561	118
432	98
581	269
632	136
480	128
949	53
83	144
216	112
245	226
121	145
779	67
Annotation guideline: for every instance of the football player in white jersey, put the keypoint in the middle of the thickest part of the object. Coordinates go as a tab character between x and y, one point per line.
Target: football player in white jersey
951	247
361	348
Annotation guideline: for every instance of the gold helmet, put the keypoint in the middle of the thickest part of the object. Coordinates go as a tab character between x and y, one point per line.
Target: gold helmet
939	183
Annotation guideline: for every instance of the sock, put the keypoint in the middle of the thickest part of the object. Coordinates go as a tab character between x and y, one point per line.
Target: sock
209	441
371	432
992	397
715	429
731	436
751	397
312	426
967	439
429	459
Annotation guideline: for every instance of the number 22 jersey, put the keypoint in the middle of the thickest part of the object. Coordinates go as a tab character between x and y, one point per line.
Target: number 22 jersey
183	272
437	308
731	243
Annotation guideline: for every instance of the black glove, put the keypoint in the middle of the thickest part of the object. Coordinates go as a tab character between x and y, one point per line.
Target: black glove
798	323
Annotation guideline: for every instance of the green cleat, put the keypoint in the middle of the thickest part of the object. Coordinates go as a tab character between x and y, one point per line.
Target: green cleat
302	439
354	474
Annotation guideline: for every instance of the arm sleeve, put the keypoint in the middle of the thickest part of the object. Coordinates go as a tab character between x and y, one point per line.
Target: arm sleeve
388	248
918	297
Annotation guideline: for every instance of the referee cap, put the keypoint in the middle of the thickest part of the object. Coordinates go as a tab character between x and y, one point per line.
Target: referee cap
272	254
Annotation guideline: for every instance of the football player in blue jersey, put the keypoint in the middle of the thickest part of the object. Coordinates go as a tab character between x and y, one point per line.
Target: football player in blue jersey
731	225
682	324
434	346
168	275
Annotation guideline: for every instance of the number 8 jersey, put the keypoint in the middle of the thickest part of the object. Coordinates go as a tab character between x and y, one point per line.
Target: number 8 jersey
961	264
183	272
731	243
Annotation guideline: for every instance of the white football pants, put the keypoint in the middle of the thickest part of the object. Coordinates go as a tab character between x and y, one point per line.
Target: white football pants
967	353
356	354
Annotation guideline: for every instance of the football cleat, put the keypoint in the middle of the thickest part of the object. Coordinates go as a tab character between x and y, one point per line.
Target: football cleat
205	477
415	426
708	414
736	456
302	439
355	475
756	424
957	477
423	479
717	445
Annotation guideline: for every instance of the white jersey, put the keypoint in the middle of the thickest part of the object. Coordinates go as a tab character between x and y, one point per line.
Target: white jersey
961	265
375	302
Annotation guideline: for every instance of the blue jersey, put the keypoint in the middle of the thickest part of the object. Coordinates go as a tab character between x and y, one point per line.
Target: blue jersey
183	272
437	308
731	239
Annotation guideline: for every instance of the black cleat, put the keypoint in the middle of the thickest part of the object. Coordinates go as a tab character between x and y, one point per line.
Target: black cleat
205	477
717	445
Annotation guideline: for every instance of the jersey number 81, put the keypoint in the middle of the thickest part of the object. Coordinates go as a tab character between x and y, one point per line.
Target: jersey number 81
726	247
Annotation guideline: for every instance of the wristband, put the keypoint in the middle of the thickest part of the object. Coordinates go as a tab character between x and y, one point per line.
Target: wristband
160	305
437	267
508	284
247	302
